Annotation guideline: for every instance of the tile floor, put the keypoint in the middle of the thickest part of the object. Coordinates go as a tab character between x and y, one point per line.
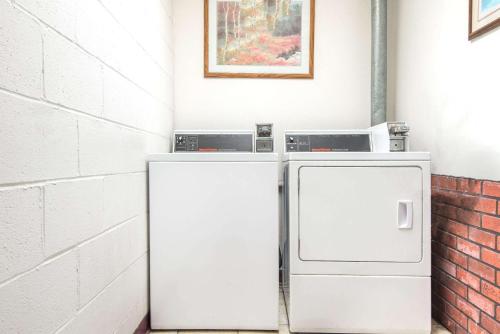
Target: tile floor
283	329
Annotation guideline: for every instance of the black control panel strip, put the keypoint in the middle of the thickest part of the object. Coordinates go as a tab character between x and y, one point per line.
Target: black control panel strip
231	142
328	143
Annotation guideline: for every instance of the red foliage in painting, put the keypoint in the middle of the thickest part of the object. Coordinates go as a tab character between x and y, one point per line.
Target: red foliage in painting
268	50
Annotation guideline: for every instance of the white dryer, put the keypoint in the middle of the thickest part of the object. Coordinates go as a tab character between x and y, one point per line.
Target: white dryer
357	239
214	234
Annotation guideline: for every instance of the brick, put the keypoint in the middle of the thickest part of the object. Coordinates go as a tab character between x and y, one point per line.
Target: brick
434	229
447	239
49	141
483	303
456	228
124	198
491	223
469	248
102	259
469	202
445	265
73	213
498	277
59	14
444	319
445	293
491	189
468	278
491	257
438	221
446	197
468	309
468	217
490	324
439	249
126	298
480	204
20	52
456	315
444	182
491	291
42	300
460	330
469	186
452	284
498	313
110	149
72	78
481	237
482	270
475	328
444	210
457	257
20	230
437	301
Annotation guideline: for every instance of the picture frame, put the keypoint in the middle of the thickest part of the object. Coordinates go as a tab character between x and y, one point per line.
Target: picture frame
259	39
484	16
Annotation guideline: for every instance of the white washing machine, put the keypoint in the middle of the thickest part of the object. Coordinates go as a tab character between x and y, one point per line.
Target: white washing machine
214	234
357	238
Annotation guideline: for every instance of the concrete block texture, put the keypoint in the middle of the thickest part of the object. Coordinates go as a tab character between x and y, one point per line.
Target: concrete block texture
58	14
104	258
107	148
20	52
38	141
42	300
74	212
85	95
99	32
21	223
72	78
117	306
125	197
145	24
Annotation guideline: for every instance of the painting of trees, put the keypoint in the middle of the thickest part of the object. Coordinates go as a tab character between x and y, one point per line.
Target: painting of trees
259	32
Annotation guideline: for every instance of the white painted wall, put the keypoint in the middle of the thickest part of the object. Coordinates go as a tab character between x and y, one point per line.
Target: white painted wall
447	87
86	91
338	97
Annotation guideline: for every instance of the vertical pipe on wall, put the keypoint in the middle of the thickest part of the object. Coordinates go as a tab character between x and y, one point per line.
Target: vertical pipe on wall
379	62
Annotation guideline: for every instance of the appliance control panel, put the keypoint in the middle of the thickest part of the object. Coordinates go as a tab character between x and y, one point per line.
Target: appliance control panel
328	142
264	142
213	142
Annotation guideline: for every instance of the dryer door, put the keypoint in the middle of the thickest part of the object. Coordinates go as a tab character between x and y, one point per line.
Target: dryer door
360	214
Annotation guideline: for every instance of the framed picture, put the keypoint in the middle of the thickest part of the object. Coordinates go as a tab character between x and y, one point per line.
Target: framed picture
484	15
259	39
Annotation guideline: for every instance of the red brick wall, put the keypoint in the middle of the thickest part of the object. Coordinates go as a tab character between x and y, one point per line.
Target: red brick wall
466	254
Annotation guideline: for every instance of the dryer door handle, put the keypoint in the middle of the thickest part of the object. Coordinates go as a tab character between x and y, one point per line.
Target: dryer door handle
405	215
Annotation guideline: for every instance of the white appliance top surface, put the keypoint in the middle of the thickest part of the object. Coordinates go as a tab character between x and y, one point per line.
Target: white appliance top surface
213	157
358	156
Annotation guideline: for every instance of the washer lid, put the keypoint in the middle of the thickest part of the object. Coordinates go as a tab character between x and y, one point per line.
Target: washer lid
358	156
213	157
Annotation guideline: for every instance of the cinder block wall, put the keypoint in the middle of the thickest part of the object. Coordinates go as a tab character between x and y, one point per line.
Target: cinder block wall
85	93
466	254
